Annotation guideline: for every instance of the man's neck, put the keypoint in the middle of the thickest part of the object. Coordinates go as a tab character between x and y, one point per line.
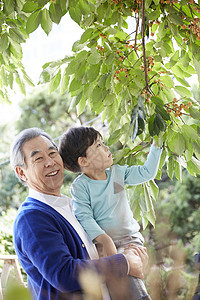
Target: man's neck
51	193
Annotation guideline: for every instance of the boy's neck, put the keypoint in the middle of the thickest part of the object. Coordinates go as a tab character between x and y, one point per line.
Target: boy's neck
101	175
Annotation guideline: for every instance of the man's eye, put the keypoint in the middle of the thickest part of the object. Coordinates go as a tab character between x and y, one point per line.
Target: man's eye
53	153
98	145
38	159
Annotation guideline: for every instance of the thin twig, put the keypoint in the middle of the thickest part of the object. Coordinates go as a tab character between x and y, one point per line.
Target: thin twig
143	43
136	31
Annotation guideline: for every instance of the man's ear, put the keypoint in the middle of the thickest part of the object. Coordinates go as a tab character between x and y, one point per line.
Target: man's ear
82	161
20	173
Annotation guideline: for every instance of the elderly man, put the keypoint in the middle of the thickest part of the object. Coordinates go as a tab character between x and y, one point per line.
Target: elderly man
51	245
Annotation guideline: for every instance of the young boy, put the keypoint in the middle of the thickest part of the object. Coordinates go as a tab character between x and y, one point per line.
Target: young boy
99	196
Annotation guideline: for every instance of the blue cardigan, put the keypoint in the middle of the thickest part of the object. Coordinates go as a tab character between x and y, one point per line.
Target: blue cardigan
52	253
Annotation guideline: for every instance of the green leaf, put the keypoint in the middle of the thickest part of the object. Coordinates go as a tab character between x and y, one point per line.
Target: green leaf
147	3
182	81
84	7
194	112
75	14
162	112
64	84
29	7
27	79
81	105
46	22
109	59
55	81
72	67
178	170
94	58
4	42
81	56
155	14
193	166
197	67
190	132
118	155
21	85
75	85
109	99
154	189
3	76
10	79
93	72
157	101
177	143
55	12
44	77
174	59
64	5
8	7
182	91
42	2
189	152
196	146
33	21
170	167
162	159
162	30
175	18
149	204
167	80
16	35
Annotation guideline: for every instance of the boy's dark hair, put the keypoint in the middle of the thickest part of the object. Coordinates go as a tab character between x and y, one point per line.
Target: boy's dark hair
74	143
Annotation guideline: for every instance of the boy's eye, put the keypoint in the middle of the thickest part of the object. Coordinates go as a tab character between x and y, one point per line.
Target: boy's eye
98	145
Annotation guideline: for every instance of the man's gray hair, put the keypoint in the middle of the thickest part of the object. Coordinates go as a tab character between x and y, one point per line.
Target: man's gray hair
16	154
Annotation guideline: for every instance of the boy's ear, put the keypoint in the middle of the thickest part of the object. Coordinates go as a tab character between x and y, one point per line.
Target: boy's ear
82	161
20	173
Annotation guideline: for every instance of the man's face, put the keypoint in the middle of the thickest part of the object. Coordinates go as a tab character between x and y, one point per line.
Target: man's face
44	167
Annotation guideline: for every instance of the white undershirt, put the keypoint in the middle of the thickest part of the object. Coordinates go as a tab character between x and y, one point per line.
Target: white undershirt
63	205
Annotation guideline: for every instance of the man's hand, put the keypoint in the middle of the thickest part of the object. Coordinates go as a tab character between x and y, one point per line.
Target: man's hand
137	258
142	252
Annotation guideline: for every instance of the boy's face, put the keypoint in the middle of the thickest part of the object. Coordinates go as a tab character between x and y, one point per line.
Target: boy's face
99	156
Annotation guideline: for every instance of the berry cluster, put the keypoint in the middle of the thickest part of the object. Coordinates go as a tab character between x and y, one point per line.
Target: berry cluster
194	27
146	94
150	63
116	75
177	108
103	36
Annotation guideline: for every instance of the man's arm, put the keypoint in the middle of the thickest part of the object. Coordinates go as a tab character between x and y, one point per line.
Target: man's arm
47	247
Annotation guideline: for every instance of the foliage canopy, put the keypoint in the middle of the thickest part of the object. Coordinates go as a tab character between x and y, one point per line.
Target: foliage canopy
138	81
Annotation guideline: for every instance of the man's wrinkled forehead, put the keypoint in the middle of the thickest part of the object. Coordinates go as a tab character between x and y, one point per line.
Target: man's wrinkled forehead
35	152
37	145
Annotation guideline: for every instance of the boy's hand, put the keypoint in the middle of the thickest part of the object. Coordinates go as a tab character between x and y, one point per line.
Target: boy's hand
158	140
107	243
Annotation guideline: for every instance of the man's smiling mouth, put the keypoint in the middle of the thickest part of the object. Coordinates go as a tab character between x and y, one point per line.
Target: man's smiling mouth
52	173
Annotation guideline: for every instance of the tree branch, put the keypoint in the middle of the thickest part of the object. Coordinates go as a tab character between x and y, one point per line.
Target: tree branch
143	44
